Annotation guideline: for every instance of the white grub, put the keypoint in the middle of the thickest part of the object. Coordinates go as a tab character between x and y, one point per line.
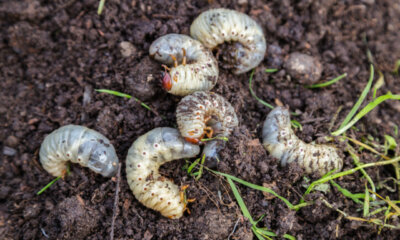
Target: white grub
198	71
144	158
216	26
281	142
200	112
78	144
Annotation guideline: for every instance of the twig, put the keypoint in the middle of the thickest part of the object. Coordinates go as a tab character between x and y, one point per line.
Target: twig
116	198
234	229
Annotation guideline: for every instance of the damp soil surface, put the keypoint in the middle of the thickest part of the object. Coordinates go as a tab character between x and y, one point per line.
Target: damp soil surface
54	54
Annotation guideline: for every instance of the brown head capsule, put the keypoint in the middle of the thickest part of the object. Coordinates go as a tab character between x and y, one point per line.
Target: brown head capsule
191	67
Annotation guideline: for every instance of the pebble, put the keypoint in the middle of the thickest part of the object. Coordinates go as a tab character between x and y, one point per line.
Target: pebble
127	49
8	151
12	141
303	68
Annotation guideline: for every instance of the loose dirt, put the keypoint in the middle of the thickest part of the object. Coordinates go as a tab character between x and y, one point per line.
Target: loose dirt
54	54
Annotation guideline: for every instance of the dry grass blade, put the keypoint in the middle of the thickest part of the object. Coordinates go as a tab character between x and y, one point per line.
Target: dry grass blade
389	202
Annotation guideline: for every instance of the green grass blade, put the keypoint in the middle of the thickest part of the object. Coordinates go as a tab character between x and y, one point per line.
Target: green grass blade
254	95
265	232
201	167
314	184
259	99
347	172
360	100
244	210
190	168
366	202
366	110
257	187
330	82
48	185
289	237
346	192
240	201
357	162
396	67
296	124
259	234
115	93
52	182
359	195
390	143
119	94
379	83
217	137
377	211
271	70
101	6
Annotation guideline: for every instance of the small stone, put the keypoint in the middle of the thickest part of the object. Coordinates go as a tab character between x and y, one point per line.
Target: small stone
12	141
8	151
303	68
127	49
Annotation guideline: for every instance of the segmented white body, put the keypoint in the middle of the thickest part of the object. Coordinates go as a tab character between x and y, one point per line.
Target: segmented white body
144	158
215	26
192	114
194	109
199	74
78	144
281	142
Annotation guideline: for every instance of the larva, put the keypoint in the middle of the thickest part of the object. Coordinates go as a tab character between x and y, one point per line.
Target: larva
145	156
281	142
198	71
204	113
216	26
78	144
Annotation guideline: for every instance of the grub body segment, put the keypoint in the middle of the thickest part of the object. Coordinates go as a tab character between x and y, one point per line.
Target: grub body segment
216	26
78	144
143	161
200	110
282	143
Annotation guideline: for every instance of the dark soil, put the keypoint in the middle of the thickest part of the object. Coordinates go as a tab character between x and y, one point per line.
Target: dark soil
53	54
